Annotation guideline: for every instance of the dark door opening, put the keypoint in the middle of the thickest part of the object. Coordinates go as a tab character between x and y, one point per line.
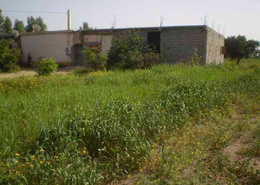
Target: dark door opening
79	58
154	39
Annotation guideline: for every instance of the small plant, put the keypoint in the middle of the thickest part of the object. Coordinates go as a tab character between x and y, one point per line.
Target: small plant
95	59
195	58
9	57
46	66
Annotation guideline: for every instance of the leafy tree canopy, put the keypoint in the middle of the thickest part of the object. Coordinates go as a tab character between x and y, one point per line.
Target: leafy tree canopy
85	26
19	26
1	21
31	21
8	27
239	47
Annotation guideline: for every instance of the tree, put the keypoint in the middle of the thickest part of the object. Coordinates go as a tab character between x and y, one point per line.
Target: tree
85	26
8	27
239	47
1	21
39	21
19	26
252	48
31	21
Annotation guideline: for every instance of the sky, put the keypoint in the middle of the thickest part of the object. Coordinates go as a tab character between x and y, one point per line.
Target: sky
229	17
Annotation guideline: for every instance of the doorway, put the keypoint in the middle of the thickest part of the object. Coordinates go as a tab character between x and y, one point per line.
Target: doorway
79	58
154	39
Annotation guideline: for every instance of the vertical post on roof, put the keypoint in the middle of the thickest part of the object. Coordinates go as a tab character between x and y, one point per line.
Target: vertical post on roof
69	20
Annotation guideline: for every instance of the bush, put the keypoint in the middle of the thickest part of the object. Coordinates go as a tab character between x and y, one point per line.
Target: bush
150	59
129	51
9	57
95	59
46	66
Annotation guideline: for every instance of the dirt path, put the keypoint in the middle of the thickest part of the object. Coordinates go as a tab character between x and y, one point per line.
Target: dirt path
18	74
235	149
28	72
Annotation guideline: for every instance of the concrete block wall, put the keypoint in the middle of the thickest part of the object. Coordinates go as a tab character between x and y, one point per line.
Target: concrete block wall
179	43
215	42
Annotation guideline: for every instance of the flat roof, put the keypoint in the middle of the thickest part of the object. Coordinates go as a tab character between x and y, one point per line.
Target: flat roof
105	30
145	28
47	32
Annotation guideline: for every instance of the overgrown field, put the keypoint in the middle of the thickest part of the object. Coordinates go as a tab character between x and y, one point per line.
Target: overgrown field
93	128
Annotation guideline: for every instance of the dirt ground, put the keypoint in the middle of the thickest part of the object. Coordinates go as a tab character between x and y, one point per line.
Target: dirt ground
233	151
21	73
29	72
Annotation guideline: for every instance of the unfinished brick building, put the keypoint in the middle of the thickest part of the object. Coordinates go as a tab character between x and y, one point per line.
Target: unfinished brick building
174	43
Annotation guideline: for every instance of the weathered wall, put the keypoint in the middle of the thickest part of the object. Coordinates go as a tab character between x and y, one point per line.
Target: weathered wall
215	42
106	43
103	41
52	44
179	43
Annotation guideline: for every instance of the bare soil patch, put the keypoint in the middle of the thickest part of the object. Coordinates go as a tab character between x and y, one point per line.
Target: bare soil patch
21	73
234	150
29	72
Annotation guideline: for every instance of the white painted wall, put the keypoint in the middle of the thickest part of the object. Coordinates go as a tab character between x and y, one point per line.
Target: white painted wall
47	45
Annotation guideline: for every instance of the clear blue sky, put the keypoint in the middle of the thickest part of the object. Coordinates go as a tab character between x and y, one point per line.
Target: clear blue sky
235	16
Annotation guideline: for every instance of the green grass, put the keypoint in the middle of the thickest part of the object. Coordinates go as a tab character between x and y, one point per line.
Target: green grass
68	129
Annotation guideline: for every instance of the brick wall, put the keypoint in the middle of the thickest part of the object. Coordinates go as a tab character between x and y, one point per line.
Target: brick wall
179	43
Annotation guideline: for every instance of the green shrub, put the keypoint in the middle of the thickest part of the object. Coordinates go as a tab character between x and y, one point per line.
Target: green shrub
150	59
129	51
46	66
95	59
9	57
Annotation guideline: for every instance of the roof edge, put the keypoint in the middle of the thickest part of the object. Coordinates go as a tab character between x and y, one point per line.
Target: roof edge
145	28
47	32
